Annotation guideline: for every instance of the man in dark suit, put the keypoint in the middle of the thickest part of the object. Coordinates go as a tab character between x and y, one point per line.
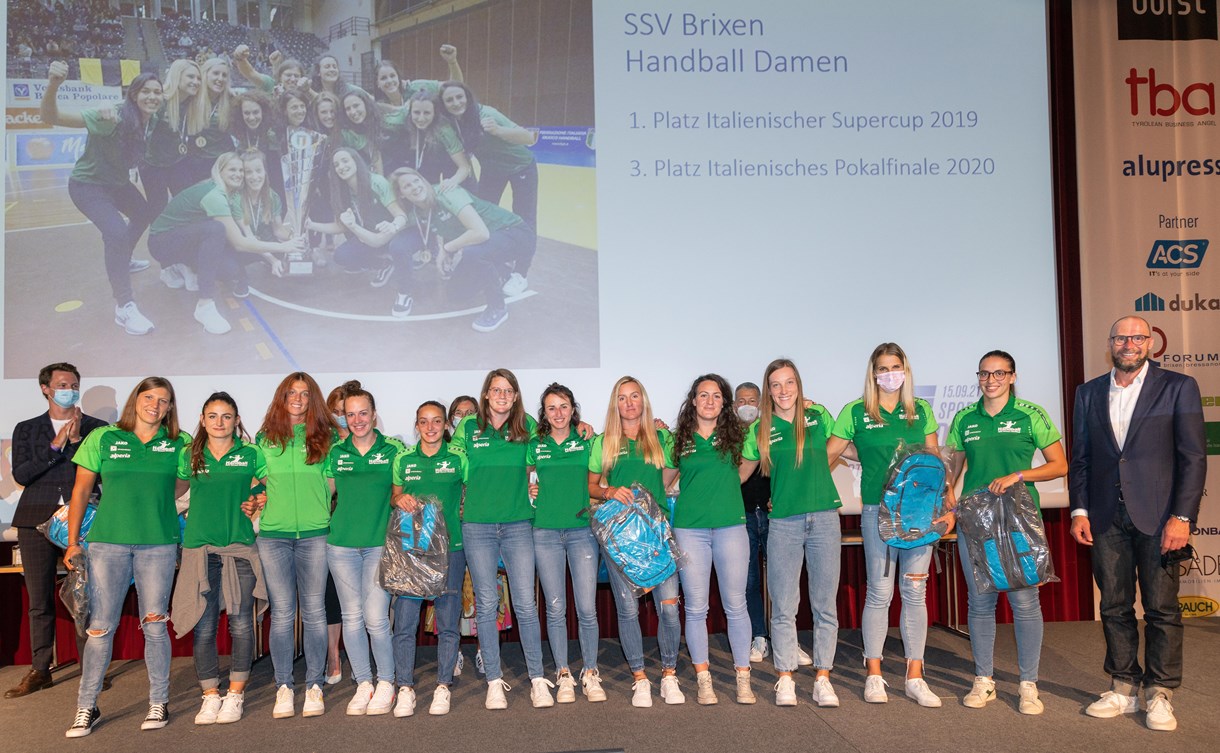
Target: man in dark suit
1136	479
42	463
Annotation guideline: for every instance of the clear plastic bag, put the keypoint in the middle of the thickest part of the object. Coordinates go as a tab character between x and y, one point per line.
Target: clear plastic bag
1005	540
914	495
55	528
637	540
415	561
74	592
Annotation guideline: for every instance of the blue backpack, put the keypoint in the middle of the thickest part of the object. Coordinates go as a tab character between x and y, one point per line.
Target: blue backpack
415	560
914	497
636	538
1005	540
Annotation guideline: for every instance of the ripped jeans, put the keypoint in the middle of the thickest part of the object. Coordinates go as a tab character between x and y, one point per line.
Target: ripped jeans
556	551
911	568
111	569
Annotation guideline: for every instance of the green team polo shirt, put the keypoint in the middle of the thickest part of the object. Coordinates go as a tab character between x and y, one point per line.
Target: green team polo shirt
102	161
630	466
496	482
876	442
202	201
362	487
138	478
563	480
998	445
711	488
298	497
495	152
442	475
360	143
449	203
809	487
215	517
264	231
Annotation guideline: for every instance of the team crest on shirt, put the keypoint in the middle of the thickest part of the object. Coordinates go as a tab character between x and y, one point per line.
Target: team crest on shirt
237	462
1008	427
444	467
163	446
573	446
378	458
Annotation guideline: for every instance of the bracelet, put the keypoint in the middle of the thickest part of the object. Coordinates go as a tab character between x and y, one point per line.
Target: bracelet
1020	477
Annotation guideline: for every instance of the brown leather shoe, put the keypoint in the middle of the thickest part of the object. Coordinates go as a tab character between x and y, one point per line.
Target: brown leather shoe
34	680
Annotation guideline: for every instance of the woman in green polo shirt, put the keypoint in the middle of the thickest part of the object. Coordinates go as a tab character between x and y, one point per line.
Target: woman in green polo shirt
359	469
260	129
1000	435
710	526
259	212
803	525
100	185
361	127
889	412
436	468
563	540
134	535
632	450
220	465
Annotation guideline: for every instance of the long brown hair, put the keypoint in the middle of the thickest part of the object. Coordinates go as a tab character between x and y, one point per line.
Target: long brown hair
320	427
127	419
198	461
766	412
729	432
518	427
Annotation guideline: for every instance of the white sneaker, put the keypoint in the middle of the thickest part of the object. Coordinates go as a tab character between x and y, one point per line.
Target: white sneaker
705	694
461	662
335	679
785	691
359	705
758	649
1160	714
209	710
824	693
566	684
1029	703
591	686
382	700
516	285
803	659
981	693
138	265
540	693
406	702
190	280
131	320
1112	704
670	692
495	695
918	690
207	315
314	704
440	701
641	694
745	694
172	277
230	708
874	689
284	703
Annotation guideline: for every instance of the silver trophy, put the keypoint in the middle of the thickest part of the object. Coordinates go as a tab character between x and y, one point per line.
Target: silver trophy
304	149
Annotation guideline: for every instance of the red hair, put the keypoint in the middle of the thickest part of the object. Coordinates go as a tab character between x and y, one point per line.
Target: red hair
319	424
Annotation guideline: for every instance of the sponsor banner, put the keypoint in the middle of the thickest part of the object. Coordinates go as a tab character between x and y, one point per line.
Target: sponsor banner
1149	188
22	118
572	147
59	148
24	94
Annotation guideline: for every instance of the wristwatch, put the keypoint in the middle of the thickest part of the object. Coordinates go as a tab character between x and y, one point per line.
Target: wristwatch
1182	518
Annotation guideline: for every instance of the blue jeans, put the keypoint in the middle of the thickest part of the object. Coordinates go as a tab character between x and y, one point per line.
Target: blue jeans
485	545
669	629
111	569
296	569
366	609
241	627
1026	619
756	528
122	215
557	550
448	608
814	537
908	565
729	549
1122	557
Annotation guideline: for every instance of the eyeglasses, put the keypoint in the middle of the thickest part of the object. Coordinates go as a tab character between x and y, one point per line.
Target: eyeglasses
505	391
1133	339
998	375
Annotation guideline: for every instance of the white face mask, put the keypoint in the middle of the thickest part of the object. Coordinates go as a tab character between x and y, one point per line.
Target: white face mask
891	381
747	413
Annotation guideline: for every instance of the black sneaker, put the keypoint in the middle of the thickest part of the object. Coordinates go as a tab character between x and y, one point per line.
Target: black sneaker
158	716
402	306
382	275
84	722
490	319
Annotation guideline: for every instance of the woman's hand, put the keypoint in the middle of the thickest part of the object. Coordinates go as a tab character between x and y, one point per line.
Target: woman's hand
533	490
69	553
448	53
585	431
447	184
57	73
621	493
406	502
347	218
1000	485
254	505
949	520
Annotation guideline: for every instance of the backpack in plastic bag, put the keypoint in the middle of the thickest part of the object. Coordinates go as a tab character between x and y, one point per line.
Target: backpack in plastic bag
637	539
55	528
914	497
1005	540
415	561
74	592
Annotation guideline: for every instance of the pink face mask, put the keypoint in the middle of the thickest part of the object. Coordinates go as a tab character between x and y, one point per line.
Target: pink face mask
891	381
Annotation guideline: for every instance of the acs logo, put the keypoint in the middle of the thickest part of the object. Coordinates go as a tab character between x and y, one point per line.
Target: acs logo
1173	254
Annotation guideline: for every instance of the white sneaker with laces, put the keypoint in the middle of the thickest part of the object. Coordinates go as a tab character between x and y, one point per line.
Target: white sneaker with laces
1029	702
540	692
874	689
314	705
591	686
284	703
1160	714
230	708
516	285
478	662
641	694
745	693
565	685
209	709
207	315
981	693
1112	704
440	701
758	649
382	700
190	280
172	277
705	694
803	659
461	663
495	695
824	693
785	691
128	317
918	690
670	692
406	702
359	705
